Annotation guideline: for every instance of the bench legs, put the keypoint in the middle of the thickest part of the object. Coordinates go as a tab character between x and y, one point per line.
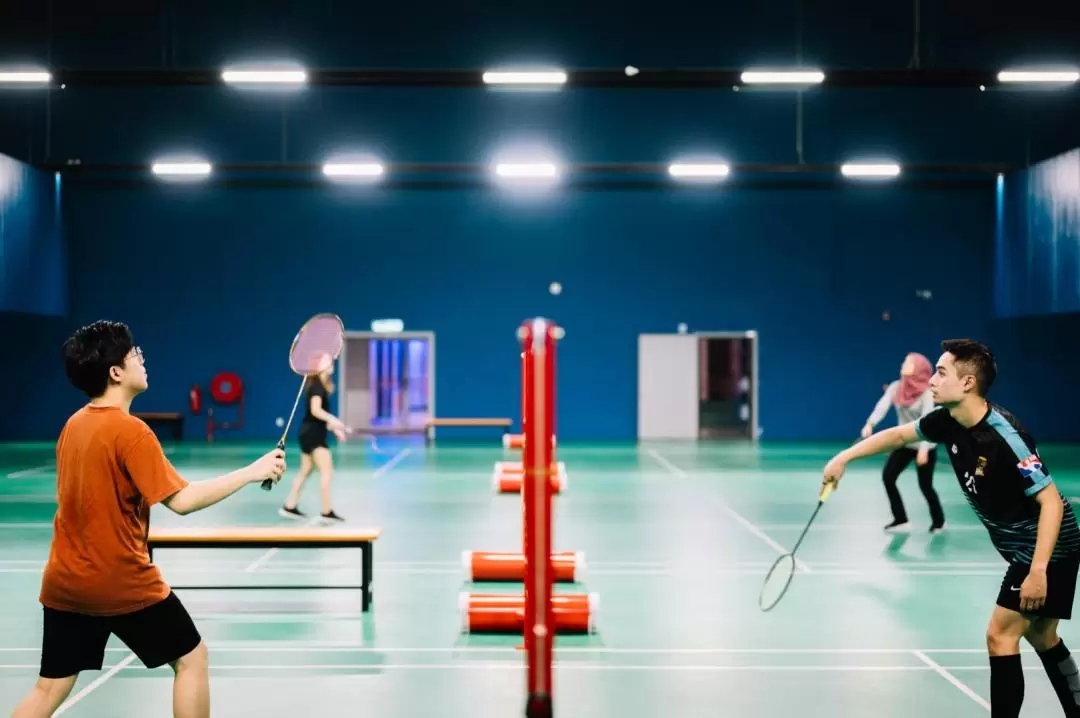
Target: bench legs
367	550
367	574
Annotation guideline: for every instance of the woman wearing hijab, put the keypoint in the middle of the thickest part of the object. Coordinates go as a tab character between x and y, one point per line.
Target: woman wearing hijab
911	397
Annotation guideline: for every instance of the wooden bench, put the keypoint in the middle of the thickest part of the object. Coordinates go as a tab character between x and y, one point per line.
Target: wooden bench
430	424
166	417
271	538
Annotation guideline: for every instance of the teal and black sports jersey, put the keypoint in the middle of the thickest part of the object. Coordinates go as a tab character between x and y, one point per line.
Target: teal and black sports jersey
999	469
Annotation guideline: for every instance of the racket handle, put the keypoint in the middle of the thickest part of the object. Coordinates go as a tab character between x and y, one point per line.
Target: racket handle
268	484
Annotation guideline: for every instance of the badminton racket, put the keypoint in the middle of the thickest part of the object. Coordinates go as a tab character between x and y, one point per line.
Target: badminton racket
314	350
779	577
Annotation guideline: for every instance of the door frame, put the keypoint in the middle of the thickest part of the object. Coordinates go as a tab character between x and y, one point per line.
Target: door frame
755	381
369	335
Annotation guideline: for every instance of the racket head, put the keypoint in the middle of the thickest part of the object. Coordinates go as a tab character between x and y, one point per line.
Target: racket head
317	345
776	582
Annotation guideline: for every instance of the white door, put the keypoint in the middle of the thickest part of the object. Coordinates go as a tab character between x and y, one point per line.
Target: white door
357	390
667	386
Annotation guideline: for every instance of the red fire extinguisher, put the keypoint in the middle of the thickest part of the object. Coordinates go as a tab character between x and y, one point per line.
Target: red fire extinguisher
195	399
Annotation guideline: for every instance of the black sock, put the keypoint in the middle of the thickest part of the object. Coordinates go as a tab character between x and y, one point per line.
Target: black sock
1006	686
1064	676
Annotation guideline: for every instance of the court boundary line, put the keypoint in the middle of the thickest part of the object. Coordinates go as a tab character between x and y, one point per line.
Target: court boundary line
331	647
21	473
508	665
739	518
754	571
95	684
959	684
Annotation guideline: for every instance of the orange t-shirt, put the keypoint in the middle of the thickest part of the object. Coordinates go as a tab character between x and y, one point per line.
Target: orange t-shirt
110	469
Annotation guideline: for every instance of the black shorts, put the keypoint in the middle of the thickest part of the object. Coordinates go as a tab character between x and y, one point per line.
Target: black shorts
312	436
1060	588
157	634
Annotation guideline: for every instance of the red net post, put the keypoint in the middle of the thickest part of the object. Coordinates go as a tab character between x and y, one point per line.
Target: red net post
524	391
538	340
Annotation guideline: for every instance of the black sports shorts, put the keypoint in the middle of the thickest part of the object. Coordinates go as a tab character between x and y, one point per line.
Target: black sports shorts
1060	588
157	634
313	436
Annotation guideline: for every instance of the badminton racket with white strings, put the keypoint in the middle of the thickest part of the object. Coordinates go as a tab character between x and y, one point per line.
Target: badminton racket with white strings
779	577
314	350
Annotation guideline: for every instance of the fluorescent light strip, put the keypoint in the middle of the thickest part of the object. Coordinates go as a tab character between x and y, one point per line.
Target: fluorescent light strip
345	169
857	169
182	169
529	170
25	77
521	77
699	170
1061	76
783	77
264	77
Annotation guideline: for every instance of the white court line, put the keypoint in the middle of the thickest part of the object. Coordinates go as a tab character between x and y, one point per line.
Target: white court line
391	463
866	527
31	472
515	666
507	666
254	565
746	523
745	571
964	688
631	567
95	685
303	646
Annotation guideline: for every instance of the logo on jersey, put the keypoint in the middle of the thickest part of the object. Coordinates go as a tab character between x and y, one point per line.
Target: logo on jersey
1030	466
980	466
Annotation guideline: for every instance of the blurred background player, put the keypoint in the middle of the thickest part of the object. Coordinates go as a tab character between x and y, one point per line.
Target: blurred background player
314	446
910	396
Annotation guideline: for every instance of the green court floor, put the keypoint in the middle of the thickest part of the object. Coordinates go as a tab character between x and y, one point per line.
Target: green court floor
677	539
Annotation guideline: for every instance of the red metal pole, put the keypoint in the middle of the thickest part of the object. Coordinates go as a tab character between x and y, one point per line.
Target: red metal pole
538	338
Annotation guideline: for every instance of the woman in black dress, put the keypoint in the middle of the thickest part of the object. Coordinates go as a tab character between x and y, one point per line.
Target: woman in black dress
314	448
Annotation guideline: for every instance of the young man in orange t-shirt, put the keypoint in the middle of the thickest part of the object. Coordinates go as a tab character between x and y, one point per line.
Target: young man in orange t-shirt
110	469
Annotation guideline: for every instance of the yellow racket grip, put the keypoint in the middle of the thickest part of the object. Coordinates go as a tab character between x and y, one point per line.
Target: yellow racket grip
828	487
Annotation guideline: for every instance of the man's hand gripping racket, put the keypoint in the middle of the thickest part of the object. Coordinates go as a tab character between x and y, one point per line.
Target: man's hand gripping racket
314	350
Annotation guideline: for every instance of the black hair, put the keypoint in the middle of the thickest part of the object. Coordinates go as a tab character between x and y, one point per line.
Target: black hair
91	351
974	358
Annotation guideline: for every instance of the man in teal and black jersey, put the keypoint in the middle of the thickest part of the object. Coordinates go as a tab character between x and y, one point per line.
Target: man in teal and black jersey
1030	523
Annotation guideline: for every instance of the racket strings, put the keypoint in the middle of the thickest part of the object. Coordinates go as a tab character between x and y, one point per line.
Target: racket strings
317	345
314	350
777	581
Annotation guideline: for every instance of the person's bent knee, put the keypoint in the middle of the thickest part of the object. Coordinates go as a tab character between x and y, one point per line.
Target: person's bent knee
56	689
1042	635
46	696
1004	632
196	659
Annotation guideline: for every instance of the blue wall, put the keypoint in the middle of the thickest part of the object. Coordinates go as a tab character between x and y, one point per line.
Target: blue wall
33	296
1038	239
216	277
33	271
